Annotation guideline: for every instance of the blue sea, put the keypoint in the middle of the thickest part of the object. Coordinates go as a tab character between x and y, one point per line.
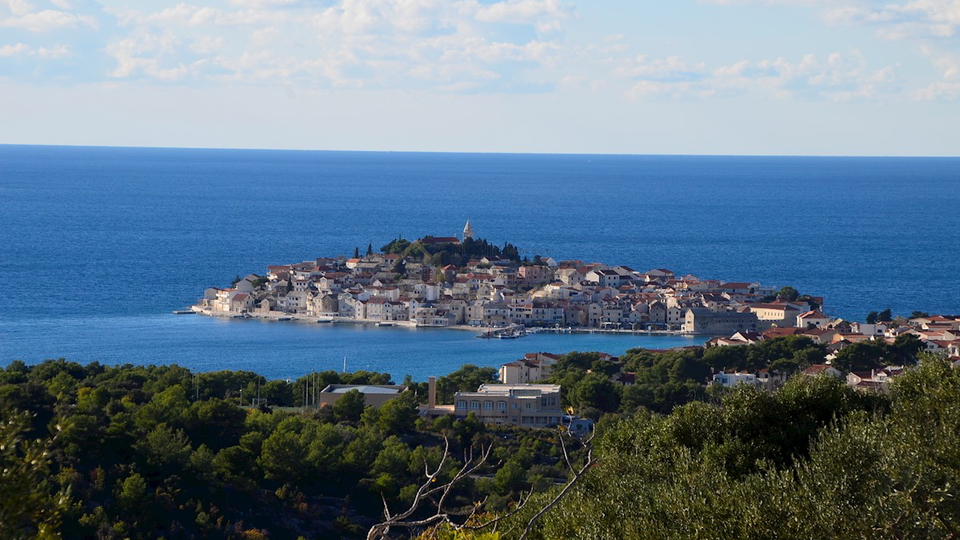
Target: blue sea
99	245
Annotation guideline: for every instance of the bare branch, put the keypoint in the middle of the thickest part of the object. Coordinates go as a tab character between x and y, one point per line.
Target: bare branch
425	491
577	475
471	464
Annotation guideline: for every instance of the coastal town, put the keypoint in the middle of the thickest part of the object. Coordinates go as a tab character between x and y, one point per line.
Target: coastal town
485	287
467	283
526	393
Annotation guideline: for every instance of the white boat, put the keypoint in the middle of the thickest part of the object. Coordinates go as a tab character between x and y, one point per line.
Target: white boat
323	321
183	312
385	324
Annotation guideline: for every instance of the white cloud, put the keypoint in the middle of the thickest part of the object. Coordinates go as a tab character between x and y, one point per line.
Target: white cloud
671	68
14	50
18	7
21	49
207	44
948	87
60	51
837	77
521	11
48	19
347	43
913	19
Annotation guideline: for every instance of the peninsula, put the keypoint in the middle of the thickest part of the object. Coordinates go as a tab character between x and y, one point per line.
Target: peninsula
467	282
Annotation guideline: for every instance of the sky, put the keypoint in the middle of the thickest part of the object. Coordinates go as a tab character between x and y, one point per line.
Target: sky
764	77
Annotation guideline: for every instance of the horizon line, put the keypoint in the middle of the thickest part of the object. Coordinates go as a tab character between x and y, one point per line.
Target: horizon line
471	152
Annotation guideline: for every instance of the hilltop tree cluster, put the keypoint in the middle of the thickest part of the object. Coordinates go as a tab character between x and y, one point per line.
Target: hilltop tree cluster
441	254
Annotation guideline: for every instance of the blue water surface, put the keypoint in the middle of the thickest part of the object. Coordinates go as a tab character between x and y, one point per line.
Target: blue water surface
99	245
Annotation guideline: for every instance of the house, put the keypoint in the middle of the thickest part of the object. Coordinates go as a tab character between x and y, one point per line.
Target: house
531	368
812	319
704	321
780	313
821	335
823	369
528	405
729	380
873	380
374	395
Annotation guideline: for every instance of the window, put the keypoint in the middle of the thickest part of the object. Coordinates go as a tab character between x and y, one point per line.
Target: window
502	405
461	404
487	405
474	405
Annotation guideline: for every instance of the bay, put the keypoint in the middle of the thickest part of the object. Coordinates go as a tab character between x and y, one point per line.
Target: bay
99	245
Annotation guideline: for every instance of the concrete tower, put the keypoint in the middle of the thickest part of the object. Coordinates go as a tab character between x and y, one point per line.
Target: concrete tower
467	231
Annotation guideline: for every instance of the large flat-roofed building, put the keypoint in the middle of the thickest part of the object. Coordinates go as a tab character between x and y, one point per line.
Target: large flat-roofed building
373	394
530	405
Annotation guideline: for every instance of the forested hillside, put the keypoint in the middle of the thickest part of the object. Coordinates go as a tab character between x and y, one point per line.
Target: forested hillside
159	452
816	459
143	452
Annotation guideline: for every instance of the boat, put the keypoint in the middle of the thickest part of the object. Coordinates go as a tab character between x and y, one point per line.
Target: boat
183	312
242	316
284	318
385	324
323	321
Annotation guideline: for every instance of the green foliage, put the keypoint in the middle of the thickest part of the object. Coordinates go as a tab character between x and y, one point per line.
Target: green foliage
908	348
164	446
30	506
788	293
282	456
397	245
466	379
595	390
813	460
862	356
399	414
349	407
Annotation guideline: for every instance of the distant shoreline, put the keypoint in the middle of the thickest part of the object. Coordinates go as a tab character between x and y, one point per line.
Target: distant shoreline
300	318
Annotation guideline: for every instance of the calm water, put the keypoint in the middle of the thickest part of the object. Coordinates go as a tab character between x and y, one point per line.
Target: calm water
98	245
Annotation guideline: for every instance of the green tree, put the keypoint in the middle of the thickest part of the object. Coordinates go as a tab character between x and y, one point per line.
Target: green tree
596	391
349	407
164	446
510	478
399	414
788	293
861	356
283	456
132	495
466	379
30	507
908	348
